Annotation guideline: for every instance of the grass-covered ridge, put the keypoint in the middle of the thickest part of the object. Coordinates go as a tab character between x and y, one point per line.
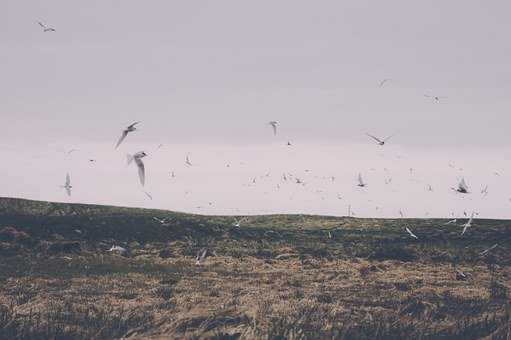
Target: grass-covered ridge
291	276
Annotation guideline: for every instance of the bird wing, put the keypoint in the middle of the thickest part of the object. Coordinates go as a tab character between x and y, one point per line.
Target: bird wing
133	125
383	82
274	127
411	233
141	170
463	185
68	179
375	138
41	24
124	134
68	190
360	181
389	137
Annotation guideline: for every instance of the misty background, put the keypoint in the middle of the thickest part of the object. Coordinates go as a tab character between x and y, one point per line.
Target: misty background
205	77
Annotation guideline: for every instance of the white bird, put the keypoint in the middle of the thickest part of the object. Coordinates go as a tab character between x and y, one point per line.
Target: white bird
140	165
119	250
378	140
451	222
384	81
411	233
401	214
274	126
435	98
161	221
361	181
462	187
484	192
201	256
430	188
468	224
125	132
237	222
187	161
46	28
148	195
488	250
68	185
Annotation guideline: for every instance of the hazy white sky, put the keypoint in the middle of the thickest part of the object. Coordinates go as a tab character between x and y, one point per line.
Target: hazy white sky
205	77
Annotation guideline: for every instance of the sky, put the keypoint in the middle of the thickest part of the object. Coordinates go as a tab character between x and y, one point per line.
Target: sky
206	77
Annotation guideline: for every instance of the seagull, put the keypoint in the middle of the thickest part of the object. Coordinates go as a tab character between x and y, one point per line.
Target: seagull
462	187
120	250
138	161
274	126
360	181
435	98
488	250
468	224
401	214
237	222
71	151
430	188
411	233
384	81
201	256
125	132
161	221
148	195
187	161
68	185
289	143
378	140
485	191
46	28
460	276
451	222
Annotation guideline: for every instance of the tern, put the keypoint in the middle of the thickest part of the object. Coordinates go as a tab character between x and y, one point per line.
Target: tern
462	187
274	126
378	140
488	250
46	28
435	98
161	221
148	195
125	132
451	222
119	250
468	224
201	256
361	181
411	233
68	185
187	161
237	223
484	192
140	165
384	81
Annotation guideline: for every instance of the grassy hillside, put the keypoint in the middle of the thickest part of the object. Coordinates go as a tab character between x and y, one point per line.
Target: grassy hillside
278	276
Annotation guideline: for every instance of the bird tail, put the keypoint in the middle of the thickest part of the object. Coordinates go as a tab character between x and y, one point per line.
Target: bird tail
129	158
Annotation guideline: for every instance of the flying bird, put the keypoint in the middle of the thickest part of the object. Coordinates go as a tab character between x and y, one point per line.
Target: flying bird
125	132
468	224
119	250
361	181
451	222
46	28
68	185
378	140
435	98
237	222
187	161
484	192
274	126
462	187
384	81
148	195
201	256
161	221
140	165
488	250
411	233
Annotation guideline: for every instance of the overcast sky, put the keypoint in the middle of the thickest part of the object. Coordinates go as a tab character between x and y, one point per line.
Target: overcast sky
205	77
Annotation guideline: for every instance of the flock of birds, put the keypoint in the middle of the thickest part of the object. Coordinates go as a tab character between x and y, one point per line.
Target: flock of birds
137	159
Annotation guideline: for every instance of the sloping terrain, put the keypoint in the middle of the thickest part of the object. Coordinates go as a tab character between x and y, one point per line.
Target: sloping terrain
278	276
